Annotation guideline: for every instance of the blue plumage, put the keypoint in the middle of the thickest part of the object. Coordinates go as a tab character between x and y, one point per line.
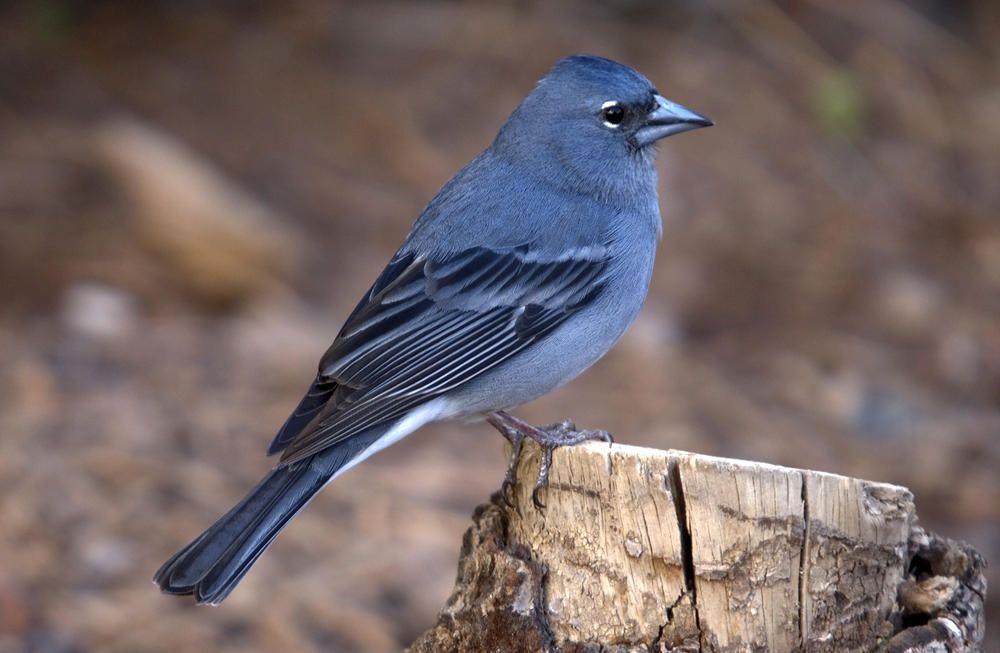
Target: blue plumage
521	272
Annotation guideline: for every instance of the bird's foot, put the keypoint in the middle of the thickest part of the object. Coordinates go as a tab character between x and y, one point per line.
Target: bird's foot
516	439
549	438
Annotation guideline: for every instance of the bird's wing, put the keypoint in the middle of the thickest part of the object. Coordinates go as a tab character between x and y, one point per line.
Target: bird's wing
430	324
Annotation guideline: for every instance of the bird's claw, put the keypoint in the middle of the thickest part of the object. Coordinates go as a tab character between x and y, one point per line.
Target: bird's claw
534	496
549	437
558	435
602	435
516	439
542	482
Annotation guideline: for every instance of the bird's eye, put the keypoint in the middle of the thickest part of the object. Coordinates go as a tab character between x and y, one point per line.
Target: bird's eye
613	113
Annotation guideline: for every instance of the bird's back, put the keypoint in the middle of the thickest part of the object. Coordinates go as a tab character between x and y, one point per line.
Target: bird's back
499	203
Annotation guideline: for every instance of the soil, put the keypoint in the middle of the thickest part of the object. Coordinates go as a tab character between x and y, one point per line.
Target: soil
827	293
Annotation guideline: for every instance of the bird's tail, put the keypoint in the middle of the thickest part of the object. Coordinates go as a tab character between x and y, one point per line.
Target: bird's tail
213	564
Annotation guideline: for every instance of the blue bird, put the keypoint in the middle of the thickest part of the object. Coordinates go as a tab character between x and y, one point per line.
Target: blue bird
520	273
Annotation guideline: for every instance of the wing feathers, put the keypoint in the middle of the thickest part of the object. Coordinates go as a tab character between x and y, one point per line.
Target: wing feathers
314	401
430	325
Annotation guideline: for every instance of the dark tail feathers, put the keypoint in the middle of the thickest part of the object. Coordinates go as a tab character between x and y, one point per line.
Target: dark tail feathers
212	565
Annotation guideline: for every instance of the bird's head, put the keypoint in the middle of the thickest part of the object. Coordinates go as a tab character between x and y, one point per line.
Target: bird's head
592	121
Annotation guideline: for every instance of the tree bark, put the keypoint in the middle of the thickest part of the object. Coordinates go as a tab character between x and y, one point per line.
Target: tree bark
647	550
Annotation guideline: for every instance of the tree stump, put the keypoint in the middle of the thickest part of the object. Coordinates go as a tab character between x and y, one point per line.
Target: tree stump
648	550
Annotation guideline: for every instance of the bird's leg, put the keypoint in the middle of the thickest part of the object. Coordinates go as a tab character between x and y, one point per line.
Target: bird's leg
549	437
516	439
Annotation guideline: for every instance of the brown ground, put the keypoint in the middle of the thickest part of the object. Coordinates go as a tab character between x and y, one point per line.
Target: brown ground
827	293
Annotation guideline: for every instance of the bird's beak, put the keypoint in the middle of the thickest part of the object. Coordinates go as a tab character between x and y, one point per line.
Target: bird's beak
667	119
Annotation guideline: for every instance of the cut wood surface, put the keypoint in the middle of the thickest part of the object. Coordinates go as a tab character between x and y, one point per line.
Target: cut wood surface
648	550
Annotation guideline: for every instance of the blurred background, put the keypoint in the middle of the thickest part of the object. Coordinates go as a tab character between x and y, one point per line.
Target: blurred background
193	195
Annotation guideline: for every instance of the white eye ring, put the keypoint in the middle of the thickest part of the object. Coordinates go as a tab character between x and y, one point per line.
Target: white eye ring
612	104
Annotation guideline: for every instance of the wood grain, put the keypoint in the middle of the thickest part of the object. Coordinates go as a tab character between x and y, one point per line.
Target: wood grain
648	550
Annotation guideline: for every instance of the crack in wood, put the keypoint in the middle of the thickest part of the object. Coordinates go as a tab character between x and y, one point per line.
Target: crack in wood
567	581
542	606
803	564
687	556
